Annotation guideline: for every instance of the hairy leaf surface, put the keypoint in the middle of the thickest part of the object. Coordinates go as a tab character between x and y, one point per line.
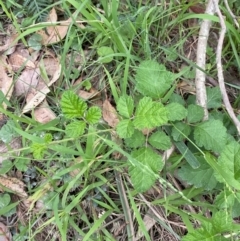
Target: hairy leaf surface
150	114
211	135
125	106
144	174
153	79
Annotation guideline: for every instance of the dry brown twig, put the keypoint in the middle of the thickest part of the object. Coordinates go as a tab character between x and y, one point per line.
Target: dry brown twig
200	79
220	68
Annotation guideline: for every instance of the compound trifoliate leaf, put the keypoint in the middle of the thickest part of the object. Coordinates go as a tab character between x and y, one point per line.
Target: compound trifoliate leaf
93	115
211	135
150	114
144	174
160	140
176	111
153	79
136	140
125	128
202	176
75	129
214	97
195	113
72	106
180	130
125	106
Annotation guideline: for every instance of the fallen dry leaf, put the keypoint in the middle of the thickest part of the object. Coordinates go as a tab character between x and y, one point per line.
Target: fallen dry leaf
88	95
50	65
12	184
43	113
37	96
28	80
6	82
5	234
109	114
9	43
187	87
148	221
20	59
54	34
15	144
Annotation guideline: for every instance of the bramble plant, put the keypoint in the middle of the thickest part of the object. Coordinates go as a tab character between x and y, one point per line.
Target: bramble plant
95	169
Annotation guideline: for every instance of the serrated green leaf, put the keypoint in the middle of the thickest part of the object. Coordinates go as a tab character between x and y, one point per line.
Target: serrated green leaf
222	222
75	129
195	113
229	156
7	132
214	97
203	176
48	138
211	135
136	140
153	79
125	128
72	106
38	150
143	176
175	98
93	115
160	140
212	230
150	114
6	166
176	111
180	130
105	52
225	199
125	106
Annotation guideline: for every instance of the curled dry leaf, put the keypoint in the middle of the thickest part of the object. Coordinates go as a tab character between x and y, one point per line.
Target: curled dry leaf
20	59
28	80
5	234
6	82
187	87
43	113
56	33
39	95
109	114
13	184
15	144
